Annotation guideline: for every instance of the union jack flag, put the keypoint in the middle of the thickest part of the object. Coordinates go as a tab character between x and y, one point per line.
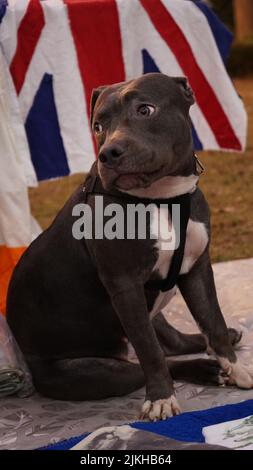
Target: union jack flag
59	50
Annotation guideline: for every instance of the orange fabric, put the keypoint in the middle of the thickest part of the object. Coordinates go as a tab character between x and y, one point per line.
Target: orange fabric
8	260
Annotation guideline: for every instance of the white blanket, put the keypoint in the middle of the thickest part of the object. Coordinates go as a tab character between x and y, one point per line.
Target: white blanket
37	421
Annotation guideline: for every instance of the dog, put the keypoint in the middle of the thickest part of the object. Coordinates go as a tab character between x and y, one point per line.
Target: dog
76	303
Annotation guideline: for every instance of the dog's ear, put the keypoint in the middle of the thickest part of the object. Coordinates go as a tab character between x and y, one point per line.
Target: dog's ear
186	89
94	96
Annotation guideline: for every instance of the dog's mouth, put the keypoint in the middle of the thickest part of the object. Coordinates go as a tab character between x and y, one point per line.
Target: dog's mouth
134	180
127	179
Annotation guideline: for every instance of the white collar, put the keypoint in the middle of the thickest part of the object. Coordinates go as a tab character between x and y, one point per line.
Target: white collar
166	187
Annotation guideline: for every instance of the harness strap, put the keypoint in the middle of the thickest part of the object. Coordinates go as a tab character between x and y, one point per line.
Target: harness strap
171	279
93	185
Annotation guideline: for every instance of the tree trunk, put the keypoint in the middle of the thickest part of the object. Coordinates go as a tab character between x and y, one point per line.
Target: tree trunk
243	12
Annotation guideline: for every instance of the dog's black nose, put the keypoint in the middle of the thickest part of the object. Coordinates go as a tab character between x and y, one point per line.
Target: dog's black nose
110	154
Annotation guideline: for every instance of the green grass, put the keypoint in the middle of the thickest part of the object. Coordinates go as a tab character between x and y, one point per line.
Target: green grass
227	184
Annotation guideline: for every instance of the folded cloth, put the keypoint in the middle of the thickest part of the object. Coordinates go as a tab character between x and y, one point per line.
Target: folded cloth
15	377
236	434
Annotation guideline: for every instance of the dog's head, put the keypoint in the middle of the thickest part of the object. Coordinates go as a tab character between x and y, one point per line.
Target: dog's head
143	130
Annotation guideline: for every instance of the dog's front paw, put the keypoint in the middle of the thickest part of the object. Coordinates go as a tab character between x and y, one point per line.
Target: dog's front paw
238	374
160	409
241	375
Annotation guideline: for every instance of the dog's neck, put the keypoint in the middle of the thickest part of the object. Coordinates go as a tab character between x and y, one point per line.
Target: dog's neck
166	187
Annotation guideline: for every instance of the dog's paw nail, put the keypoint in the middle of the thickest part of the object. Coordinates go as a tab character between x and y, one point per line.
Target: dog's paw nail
146	407
223	373
160	409
223	379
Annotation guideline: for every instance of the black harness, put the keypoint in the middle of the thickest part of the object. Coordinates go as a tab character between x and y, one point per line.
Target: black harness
93	185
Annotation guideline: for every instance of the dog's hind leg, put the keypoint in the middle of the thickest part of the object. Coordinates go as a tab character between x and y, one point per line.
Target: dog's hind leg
173	342
198	371
85	378
82	379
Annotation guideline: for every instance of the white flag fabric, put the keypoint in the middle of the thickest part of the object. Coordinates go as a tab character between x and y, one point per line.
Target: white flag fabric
16	227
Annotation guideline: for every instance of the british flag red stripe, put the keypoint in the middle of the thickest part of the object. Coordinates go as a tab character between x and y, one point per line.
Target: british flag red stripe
176	41
29	32
98	46
98	43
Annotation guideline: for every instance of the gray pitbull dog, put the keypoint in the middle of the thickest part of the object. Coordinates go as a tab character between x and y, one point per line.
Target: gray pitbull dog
75	304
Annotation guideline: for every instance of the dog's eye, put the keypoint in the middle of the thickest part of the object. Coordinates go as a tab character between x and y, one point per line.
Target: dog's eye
98	128
145	110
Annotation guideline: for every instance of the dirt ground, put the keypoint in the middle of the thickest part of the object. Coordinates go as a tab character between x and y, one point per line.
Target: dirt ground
227	184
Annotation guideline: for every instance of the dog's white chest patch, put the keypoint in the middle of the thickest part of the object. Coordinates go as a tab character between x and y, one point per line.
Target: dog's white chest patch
196	242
